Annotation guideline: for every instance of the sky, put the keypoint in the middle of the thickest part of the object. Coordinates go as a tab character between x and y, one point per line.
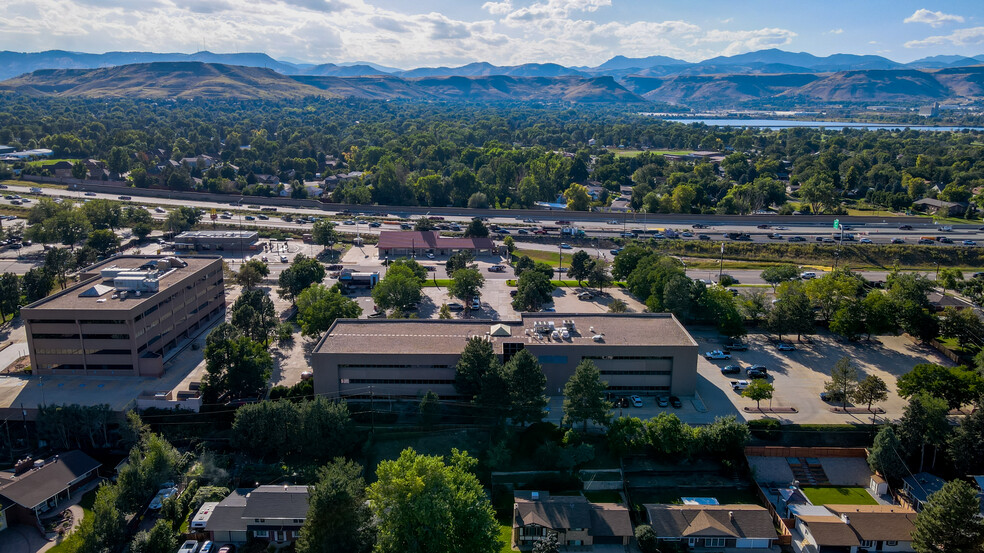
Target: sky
418	33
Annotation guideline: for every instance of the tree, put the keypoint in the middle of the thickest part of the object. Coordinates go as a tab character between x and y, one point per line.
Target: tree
526	384
234	364
252	273
584	396
476	229
103	214
302	272
777	274
458	260
647	539
924	423
418	270
319	306
843	380
444	313
254	315
791	312
476	366
950	521
103	241
160	539
725	437
58	262
884	454
338	519
532	290
870	390
598	276
429	409
37	283
399	289
957	386
323	232
547	544
669	436
948	278
71	227
617	306
966	443
580	266
466	284
424	505
9	295
577	197
962	324
182	219
79	170
423	224
758	390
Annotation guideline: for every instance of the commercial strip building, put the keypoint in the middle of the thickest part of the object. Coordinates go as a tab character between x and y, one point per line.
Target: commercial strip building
396	243
217	240
637	353
126	316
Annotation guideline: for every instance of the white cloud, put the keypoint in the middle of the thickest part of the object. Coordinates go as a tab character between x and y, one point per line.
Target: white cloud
931	18
498	8
835	32
960	37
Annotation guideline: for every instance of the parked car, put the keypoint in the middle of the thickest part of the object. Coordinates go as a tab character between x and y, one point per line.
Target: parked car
785	346
585	296
675	402
475	304
739	385
513	293
731	369
190	546
717	354
636	401
615	251
158	501
227	548
283	259
623	402
754	372
497	268
307	375
377	315
206	547
808	275
836	396
455	306
565	246
663	401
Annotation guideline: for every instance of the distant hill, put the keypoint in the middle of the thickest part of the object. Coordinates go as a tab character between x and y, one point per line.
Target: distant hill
900	85
202	80
622	62
836	62
482	69
162	80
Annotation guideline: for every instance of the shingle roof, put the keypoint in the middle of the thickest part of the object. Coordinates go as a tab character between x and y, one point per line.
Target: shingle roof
733	521
830	531
277	502
37	486
228	514
553	512
878	522
608	519
429	239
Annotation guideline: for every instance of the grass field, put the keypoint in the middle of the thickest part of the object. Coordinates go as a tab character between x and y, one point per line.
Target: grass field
505	535
436	283
838	496
86	503
633	153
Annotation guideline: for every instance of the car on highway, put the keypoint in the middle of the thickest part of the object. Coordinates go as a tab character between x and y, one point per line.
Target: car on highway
764	226
808	275
703	237
636	401
613	222
944	240
905	227
775	236
731	369
687	234
375	224
969	243
717	354
736	346
522	231
348	222
250	218
699	225
628	234
796	239
124	198
866	241
675	402
224	216
828	240
925	242
263	217
615	251
160	210
90	193
503	231
529	220
663	401
785	346
566	246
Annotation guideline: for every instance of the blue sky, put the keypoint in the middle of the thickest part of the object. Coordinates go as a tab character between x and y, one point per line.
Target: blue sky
418	33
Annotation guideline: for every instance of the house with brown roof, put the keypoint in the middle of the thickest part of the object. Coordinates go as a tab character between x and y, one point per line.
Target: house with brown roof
578	523
395	243
854	528
714	527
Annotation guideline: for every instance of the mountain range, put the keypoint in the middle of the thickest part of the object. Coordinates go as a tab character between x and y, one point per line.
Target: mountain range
773	60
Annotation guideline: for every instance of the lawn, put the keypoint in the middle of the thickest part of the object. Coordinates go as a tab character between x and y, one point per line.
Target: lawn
633	153
505	536
436	283
838	496
86	503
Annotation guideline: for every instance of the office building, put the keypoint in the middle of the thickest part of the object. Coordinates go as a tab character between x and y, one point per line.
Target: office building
637	353
126	316
218	240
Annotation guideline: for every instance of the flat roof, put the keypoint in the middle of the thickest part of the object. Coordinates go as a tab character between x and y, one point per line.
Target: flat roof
401	336
73	298
429	239
200	234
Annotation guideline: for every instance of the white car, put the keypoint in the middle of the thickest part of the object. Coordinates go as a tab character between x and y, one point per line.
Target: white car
283	259
636	401
163	494
717	354
430	256
785	346
866	241
739	385
807	275
190	546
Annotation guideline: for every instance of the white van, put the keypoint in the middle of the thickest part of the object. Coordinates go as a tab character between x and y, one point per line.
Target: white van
808	275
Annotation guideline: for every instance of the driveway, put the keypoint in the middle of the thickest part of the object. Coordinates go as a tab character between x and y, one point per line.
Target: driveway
21	539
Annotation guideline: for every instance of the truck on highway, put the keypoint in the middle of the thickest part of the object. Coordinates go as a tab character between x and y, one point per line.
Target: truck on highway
572	231
35	190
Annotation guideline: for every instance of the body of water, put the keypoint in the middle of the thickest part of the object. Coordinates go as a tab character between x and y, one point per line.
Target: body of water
776	124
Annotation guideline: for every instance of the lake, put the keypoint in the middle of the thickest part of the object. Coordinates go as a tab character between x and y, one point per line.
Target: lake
776	124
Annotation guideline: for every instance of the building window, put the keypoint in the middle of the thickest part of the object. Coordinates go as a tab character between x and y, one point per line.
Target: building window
552	359
867	544
417	381
636	373
295	534
261	533
714	542
892	543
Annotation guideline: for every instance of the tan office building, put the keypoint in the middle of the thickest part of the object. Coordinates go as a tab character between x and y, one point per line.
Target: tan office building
126	316
645	354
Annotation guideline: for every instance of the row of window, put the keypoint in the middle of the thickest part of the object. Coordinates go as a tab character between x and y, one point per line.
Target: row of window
636	373
627	357
394	381
391	366
651	388
78	351
294	534
78	367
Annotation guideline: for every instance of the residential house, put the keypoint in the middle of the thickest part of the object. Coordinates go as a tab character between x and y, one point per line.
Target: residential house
62	169
43	486
577	522
917	488
940	207
269	513
267	179
200	162
714	527
853	529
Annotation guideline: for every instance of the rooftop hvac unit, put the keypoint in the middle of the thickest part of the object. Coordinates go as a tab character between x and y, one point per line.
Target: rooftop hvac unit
136	283
598	337
113	272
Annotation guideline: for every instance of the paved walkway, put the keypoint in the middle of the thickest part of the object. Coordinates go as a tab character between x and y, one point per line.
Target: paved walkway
21	538
77	514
